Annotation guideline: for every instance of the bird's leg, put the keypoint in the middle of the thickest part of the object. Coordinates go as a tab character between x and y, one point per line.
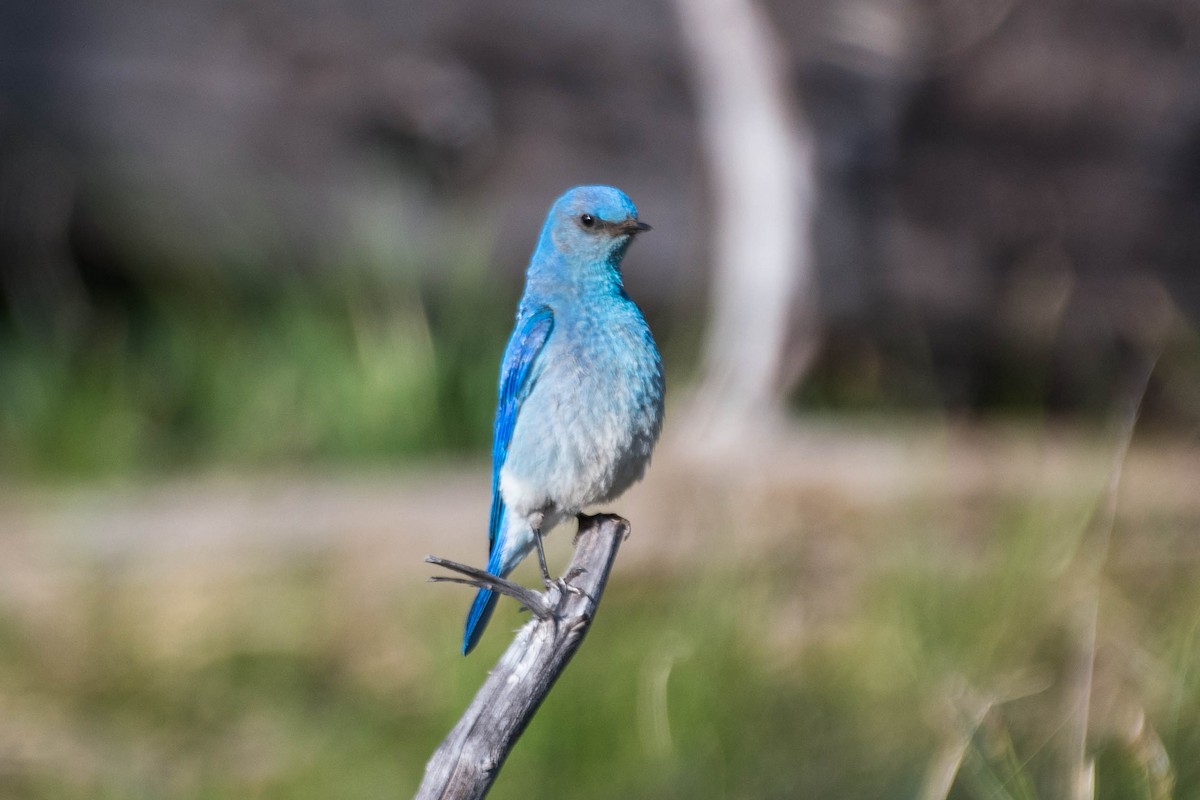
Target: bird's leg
564	583
537	538
563	586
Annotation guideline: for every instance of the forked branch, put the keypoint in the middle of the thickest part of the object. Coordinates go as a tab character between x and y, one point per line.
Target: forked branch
466	763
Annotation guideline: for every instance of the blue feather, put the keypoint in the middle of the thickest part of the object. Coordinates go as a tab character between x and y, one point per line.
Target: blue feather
528	337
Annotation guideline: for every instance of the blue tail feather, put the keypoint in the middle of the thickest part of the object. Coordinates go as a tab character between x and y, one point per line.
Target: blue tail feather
477	618
485	600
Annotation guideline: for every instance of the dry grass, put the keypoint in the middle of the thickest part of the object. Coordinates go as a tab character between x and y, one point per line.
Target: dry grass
836	612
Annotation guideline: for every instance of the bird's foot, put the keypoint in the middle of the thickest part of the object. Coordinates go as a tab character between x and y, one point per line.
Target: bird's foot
565	586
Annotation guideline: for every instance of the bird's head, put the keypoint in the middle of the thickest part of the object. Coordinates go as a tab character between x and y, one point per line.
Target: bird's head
593	224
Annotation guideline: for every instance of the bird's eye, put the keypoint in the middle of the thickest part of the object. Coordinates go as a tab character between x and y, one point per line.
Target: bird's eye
587	220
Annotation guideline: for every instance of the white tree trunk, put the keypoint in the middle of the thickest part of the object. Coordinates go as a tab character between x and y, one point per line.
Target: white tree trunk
760	154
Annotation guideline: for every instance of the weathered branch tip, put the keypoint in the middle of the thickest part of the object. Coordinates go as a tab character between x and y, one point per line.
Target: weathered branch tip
467	762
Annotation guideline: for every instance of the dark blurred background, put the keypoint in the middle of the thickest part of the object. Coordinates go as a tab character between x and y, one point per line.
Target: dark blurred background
1006	197
258	261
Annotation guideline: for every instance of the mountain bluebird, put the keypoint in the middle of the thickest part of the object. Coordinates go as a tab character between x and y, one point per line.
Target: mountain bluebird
581	385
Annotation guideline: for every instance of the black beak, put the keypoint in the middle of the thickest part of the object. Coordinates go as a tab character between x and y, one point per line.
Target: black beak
632	226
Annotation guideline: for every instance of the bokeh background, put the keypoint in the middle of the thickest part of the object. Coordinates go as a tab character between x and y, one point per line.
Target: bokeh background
916	265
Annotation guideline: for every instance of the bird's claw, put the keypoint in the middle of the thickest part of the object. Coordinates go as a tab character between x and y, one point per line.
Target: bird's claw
564	584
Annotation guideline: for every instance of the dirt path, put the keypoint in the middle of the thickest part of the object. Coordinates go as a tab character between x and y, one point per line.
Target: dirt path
394	518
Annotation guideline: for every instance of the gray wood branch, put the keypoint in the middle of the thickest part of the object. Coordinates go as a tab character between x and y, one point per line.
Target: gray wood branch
466	763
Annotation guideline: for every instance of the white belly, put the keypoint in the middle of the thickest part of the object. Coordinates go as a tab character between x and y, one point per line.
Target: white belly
585	432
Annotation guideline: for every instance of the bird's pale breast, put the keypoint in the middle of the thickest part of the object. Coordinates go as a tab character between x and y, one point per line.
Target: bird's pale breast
586	430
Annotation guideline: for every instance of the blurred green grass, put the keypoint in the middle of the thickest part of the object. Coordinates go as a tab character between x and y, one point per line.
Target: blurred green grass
716	680
362	365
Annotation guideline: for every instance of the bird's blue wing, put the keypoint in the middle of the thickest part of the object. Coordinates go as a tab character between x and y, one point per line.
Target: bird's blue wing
516	378
528	338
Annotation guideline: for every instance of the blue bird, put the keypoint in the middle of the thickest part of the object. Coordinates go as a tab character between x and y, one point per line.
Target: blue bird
581	385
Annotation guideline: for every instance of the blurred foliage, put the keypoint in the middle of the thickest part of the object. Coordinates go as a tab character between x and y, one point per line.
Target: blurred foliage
360	365
308	682
900	372
366	365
